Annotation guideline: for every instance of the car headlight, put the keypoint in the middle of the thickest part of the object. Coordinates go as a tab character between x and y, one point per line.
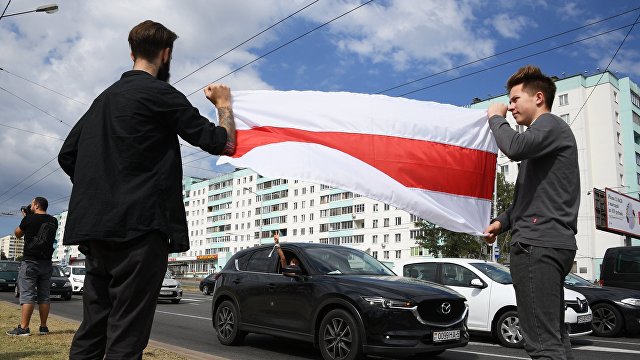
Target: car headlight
67	284
388	303
80	280
631	301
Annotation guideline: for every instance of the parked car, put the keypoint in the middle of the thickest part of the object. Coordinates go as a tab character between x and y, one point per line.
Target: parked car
614	309
340	299
171	289
8	274
491	296
208	283
75	274
60	285
621	267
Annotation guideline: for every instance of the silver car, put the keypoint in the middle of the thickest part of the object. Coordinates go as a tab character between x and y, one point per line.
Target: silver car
171	289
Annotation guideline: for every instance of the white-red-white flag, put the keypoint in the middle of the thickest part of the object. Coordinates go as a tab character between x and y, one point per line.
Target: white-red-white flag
435	161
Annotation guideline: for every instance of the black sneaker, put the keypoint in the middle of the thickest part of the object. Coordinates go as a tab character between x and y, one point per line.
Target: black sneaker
19	332
44	330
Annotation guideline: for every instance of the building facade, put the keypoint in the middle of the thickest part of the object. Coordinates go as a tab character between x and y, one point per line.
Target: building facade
603	112
11	246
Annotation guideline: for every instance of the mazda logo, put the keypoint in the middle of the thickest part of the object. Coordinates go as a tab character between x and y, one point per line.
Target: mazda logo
445	308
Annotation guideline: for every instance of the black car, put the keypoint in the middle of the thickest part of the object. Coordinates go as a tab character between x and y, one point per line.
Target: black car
208	283
621	267
8	275
340	299
614	309
60	285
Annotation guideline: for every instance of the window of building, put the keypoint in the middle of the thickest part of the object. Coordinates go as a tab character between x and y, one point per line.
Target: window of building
637	159
386	238
386	222
374	239
635	99
295	232
311	203
386	207
374	254
638	177
375	207
310	231
359	208
615	96
565	118
295	192
619	139
620	158
617	116
398	238
564	99
398	220
386	254
375	223
636	118
504	169
398	254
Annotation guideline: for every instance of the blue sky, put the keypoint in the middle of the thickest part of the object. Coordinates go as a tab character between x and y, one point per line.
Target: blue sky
80	50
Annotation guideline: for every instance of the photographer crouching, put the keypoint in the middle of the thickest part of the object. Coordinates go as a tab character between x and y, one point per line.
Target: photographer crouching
34	279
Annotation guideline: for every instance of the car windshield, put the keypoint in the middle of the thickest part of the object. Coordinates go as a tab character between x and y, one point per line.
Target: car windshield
496	272
345	261
575	280
55	271
8	266
78	271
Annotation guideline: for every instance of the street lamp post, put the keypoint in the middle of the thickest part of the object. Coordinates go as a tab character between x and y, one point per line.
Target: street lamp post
49	9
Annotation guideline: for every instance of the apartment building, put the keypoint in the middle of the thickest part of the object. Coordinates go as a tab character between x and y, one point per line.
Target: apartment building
11	246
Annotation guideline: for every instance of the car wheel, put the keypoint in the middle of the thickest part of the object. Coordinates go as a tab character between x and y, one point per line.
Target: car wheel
607	320
205	290
226	322
338	336
508	330
175	301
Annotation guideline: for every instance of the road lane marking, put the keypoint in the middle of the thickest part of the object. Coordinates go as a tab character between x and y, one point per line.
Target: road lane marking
614	342
604	349
185	315
489	354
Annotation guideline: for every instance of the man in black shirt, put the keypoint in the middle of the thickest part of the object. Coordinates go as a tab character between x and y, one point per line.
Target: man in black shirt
39	231
126	210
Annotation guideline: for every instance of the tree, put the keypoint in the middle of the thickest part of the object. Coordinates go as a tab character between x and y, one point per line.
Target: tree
442	242
446	243
505	191
3	256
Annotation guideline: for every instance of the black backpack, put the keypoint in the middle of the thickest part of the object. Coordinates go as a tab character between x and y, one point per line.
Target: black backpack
42	244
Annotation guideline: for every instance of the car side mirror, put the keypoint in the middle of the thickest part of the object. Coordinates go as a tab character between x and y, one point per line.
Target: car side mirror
477	283
67	273
291	270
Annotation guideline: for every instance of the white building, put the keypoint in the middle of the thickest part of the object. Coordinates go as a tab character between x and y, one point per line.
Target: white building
11	246
607	132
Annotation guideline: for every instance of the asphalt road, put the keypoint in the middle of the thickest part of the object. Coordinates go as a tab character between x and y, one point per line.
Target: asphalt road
188	325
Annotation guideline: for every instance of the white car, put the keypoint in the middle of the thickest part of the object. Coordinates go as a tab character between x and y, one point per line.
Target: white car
491	296
171	289
76	277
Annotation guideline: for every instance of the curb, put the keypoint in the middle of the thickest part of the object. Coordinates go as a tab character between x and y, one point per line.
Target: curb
191	354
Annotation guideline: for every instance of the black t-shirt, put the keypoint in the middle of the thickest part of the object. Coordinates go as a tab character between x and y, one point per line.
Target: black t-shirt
31	224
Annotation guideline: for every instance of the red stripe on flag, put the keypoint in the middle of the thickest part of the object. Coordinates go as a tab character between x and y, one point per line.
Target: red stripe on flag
414	163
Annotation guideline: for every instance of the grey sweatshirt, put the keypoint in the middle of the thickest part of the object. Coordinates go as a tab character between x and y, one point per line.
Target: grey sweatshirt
545	204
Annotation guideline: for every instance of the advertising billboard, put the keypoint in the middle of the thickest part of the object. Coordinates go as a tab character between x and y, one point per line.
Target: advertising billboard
622	213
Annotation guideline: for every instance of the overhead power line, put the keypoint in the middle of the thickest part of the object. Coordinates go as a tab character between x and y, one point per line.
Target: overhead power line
506	51
514	60
32	132
29	187
44	111
285	44
244	42
28	176
605	70
44	87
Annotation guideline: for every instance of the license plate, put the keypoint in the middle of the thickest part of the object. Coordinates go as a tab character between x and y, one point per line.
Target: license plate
12	285
584	319
55	296
166	292
439	336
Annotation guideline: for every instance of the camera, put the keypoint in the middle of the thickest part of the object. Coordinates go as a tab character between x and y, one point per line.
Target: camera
26	209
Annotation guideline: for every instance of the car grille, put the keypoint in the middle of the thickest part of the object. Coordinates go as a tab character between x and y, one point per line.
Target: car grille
58	284
435	311
578	328
579	306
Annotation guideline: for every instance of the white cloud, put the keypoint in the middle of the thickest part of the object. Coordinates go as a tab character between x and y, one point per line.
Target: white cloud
511	27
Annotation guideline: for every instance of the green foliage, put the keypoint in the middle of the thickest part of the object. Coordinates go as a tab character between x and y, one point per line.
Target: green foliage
3	256
441	242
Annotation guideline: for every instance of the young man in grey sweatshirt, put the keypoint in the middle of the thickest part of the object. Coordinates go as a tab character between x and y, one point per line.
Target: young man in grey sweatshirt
544	212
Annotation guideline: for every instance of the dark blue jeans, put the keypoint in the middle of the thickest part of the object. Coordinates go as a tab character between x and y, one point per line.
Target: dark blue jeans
538	278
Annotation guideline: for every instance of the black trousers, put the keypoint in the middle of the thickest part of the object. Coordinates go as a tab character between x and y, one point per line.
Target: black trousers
538	278
121	290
